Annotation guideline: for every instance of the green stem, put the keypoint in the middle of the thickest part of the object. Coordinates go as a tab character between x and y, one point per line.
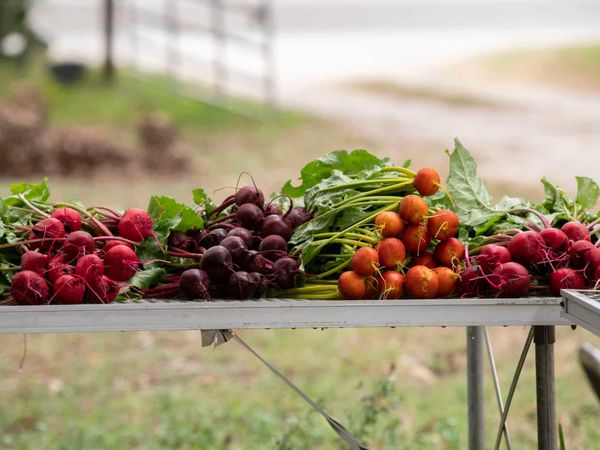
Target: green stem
329	282
335	269
32	206
343	241
366	182
404	170
374	191
308	289
10	269
349	235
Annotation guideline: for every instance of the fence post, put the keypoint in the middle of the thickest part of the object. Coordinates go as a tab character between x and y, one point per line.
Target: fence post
108	70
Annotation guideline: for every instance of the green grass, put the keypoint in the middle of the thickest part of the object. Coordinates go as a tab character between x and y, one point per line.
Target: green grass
395	389
574	67
93	102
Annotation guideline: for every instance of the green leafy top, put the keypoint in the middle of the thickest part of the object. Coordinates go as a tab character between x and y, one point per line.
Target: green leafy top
349	163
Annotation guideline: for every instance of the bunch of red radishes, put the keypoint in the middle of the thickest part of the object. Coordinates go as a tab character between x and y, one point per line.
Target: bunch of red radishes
417	253
543	259
242	251
64	263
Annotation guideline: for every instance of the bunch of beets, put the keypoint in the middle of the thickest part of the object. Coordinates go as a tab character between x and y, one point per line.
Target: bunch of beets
242	251
542	259
63	263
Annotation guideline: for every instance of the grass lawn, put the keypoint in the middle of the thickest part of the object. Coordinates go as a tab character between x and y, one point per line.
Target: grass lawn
396	389
575	67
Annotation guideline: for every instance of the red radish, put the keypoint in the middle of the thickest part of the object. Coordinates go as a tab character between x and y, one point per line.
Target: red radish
596	275
352	286
424	259
579	253
275	224
58	267
29	288
391	285
70	218
576	231
413	209
527	248
421	282
448	279
392	252
249	194
471	282
104	290
427	181
449	253
390	224
69	290
416	239
35	261
195	284
365	261
121	263
442	224
510	280
555	239
76	244
492	255
90	267
566	278
136	225
249	216
113	243
592	262
51	231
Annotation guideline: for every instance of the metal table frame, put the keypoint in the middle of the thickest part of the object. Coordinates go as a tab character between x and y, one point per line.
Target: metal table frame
541	313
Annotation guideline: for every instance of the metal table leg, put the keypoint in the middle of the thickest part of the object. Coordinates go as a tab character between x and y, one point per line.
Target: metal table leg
475	342
544	337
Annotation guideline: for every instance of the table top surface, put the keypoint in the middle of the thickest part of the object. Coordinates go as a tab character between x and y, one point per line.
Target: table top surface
281	313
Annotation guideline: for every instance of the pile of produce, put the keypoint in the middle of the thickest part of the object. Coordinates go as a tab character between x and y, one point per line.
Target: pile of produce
355	227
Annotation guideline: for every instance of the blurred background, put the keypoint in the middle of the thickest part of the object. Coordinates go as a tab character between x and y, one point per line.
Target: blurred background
116	100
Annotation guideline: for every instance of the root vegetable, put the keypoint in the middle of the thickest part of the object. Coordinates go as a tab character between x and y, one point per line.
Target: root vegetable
566	278
449	253
421	282
413	209
136	225
389	223
391	252
427	181
29	288
365	261
121	263
69	289
195	284
416	239
50	231
391	285
448	279
442	224
70	218
352	286
528	248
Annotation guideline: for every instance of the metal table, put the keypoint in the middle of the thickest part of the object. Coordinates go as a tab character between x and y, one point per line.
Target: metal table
543	314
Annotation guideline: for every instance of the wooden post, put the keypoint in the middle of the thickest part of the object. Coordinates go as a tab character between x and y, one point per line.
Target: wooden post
108	69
